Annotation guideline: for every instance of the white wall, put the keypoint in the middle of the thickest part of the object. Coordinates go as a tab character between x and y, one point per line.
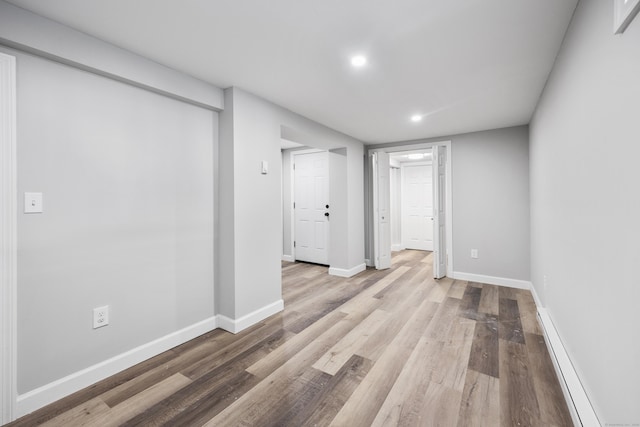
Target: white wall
585	207
127	178
490	195
250	203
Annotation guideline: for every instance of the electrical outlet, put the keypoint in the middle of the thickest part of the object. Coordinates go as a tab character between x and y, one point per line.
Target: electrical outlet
100	317
474	253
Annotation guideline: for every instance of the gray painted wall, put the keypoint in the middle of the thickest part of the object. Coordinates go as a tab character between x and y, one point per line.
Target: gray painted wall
491	202
490	195
585	207
251	203
127	178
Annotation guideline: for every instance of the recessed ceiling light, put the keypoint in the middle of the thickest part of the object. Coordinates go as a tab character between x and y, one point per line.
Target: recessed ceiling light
359	61
416	118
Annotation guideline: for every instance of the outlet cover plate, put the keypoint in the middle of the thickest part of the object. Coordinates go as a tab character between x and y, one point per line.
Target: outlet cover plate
100	317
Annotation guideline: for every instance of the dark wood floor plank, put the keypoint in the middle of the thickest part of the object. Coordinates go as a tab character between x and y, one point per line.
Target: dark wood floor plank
205	392
291	406
509	327
553	408
470	302
485	357
324	408
518	400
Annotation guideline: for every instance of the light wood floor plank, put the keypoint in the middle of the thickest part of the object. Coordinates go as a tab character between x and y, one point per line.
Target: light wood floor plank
82	415
404	402
451	369
528	313
457	289
361	408
343	350
480	405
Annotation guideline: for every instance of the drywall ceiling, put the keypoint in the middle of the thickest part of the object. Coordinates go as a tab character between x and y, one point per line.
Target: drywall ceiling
463	65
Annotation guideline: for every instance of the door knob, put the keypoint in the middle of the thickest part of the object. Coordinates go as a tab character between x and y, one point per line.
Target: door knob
327	206
326	214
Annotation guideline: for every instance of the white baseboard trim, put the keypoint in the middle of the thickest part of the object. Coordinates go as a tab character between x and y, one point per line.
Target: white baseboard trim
536	299
237	325
36	399
396	248
581	410
342	272
368	263
491	280
288	258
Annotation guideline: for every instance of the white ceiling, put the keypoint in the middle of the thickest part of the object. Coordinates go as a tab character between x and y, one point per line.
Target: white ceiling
465	65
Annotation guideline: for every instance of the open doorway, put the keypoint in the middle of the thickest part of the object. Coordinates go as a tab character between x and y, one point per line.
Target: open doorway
316	205
411	206
411	196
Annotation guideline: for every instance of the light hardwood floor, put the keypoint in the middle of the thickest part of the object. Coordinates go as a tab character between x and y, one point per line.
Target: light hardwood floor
383	348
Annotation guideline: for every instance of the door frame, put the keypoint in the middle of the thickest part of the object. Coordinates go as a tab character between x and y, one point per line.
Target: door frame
292	191
448	197
8	223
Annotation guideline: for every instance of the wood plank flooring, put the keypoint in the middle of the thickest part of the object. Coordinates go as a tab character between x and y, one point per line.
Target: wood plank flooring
383	348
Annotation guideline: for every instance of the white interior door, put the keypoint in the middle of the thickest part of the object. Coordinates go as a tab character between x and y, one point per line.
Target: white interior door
311	207
440	217
417	206
381	209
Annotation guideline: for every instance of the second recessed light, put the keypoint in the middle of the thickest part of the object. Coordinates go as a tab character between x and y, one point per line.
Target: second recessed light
359	61
416	118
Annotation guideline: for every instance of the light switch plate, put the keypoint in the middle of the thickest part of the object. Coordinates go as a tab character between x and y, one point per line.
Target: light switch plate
32	202
265	167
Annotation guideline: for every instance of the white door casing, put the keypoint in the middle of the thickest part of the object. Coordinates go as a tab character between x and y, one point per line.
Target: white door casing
311	207
8	224
417	206
446	249
382	210
440	206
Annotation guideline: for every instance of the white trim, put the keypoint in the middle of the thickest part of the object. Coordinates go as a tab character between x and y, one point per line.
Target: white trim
448	196
288	258
368	263
623	14
236	325
342	272
35	399
491	280
8	226
397	247
581	410
536	299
